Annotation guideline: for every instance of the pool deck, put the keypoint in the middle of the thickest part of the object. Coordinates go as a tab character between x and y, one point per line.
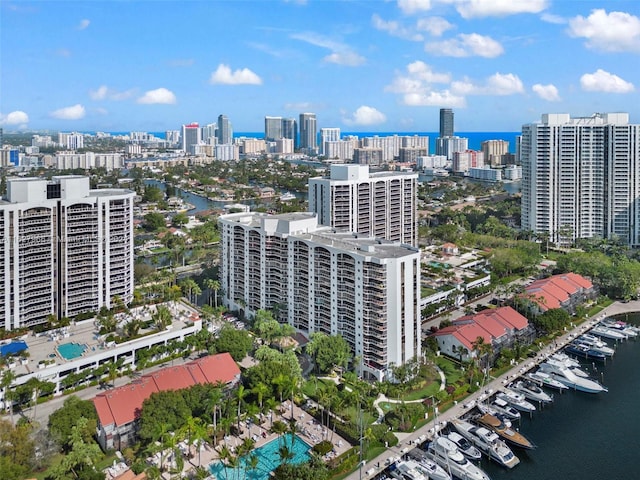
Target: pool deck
43	346
308	429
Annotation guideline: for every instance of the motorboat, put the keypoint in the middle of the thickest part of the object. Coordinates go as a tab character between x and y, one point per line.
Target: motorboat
516	400
606	332
428	467
500	408
445	453
597	344
568	376
467	448
545	380
406	470
582	350
566	359
569	363
487	442
507	434
622	327
531	391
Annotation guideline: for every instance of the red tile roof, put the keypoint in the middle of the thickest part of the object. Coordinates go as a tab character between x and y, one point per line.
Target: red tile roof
552	292
119	406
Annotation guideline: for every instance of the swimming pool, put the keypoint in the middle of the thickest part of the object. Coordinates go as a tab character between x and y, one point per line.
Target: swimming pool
69	351
268	460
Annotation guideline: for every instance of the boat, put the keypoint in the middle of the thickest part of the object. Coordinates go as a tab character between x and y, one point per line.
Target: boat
568	362
597	344
545	380
500	408
287	196
487	442
566	359
406	470
428	467
508	434
582	350
516	400
622	327
531	391
568	376
606	332
467	449
445	453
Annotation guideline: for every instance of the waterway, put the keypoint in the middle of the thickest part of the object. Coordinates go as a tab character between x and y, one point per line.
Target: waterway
199	202
582	436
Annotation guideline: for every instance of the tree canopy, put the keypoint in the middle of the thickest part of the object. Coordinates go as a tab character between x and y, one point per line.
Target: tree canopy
328	351
237	342
62	421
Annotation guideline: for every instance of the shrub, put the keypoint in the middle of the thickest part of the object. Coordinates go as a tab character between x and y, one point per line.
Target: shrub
323	447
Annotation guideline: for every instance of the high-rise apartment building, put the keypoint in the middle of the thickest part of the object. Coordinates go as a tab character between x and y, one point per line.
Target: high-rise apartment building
191	136
446	123
380	205
328	135
225	132
309	132
290	130
580	177
272	128
366	290
64	249
71	141
447	146
495	152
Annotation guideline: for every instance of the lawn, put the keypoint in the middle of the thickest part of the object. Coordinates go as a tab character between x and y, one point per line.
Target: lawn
451	371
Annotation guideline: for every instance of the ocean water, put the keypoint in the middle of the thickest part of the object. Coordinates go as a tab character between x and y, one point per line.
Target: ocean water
582	436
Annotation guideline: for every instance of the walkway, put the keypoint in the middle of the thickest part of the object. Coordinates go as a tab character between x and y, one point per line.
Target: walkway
409	442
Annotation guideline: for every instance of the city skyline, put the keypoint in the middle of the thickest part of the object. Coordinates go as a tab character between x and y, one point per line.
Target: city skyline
359	66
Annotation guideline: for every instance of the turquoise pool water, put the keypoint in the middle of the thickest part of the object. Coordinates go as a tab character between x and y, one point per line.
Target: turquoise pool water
69	351
268	460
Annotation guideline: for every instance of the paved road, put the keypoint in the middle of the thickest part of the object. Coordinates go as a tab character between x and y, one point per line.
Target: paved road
408	441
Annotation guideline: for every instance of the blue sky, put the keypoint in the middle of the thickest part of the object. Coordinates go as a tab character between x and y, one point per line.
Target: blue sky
370	65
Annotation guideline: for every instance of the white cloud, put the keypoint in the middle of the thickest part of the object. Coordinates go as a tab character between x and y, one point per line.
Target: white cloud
341	54
349	59
17	117
366	115
499	8
395	29
546	92
74	112
105	93
466	45
433	98
497	84
159	95
609	32
243	76
413	6
602	81
551	18
83	24
436	26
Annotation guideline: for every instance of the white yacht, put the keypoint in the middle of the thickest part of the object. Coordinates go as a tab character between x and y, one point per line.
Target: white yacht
445	453
531	391
428	467
622	327
568	362
487	441
545	380
516	400
500	408
406	470
606	332
568	376
467	449
597	344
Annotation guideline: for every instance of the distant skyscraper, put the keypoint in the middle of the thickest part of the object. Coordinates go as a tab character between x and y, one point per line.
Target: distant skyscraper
190	138
446	122
447	146
309	132
579	177
290	130
224	133
272	129
495	152
328	135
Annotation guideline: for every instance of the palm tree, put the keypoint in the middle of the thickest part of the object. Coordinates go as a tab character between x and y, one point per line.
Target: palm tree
260	390
279	428
161	317
285	454
213	286
241	393
5	384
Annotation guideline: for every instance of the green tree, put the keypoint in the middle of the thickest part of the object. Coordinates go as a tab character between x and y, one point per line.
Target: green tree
162	317
81	458
237	342
180	219
328	351
62	421
154	221
16	450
